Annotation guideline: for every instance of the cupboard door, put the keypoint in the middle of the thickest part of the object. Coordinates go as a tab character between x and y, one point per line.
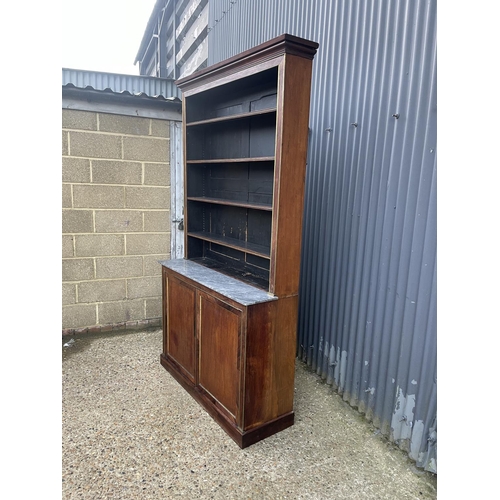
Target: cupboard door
180	342
219	351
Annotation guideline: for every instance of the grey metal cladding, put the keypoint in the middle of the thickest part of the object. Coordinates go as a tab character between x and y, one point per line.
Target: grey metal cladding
367	314
174	43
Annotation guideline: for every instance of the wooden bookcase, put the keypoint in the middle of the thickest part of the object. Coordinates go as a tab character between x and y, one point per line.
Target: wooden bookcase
230	307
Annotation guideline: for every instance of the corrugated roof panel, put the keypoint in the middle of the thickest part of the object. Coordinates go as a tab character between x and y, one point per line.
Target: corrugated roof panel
135	85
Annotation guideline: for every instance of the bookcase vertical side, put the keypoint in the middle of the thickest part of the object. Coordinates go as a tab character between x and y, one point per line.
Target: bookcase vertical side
290	171
185	215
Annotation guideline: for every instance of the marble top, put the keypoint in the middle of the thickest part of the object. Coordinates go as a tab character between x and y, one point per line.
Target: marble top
225	285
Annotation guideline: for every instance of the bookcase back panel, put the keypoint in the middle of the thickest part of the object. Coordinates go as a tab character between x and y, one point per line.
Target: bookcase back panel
254	260
259	227
249	137
260	182
230	222
234	223
229	239
224	254
195	248
262	136
227	183
247	268
243	182
265	101
253	93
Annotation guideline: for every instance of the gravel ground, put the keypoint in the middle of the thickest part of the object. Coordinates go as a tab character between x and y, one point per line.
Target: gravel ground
130	431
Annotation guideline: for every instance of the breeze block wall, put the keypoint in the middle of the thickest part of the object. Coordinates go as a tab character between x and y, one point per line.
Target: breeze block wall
115	220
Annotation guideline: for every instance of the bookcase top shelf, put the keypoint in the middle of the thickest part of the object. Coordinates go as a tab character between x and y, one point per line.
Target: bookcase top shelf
239	116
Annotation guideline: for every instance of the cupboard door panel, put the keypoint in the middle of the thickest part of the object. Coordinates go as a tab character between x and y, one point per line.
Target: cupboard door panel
181	326
219	338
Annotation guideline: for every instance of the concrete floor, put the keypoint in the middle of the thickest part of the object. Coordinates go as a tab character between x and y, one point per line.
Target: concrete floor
130	431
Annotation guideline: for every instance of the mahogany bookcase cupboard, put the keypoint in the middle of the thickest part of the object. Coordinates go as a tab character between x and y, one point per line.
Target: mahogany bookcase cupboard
230	306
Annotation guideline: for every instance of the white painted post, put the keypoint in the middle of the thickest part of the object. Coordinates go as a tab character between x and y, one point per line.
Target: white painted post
176	191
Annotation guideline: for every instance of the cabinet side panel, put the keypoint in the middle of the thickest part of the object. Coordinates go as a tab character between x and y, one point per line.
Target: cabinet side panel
260	391
285	341
164	309
219	330
290	174
180	340
270	361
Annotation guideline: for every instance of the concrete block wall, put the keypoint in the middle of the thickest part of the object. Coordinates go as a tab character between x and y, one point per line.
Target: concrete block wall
115	219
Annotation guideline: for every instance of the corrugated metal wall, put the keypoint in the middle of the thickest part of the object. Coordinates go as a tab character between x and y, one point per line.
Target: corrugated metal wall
367	319
191	36
174	44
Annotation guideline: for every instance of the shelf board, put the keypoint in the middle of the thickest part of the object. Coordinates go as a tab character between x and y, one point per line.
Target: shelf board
238	116
243	246
244	273
233	160
232	203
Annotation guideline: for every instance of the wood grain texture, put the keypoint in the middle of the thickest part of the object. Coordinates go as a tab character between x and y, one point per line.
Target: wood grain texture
180	302
219	350
284	349
260	394
270	360
290	170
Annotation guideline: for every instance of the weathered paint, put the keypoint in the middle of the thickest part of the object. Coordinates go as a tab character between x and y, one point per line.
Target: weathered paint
416	438
402	417
174	43
177	192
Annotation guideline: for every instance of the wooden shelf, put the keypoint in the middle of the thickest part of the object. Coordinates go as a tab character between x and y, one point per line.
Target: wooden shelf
231	203
232	160
243	246
239	116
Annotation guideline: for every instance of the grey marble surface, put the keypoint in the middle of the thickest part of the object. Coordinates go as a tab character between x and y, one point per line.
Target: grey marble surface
225	285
